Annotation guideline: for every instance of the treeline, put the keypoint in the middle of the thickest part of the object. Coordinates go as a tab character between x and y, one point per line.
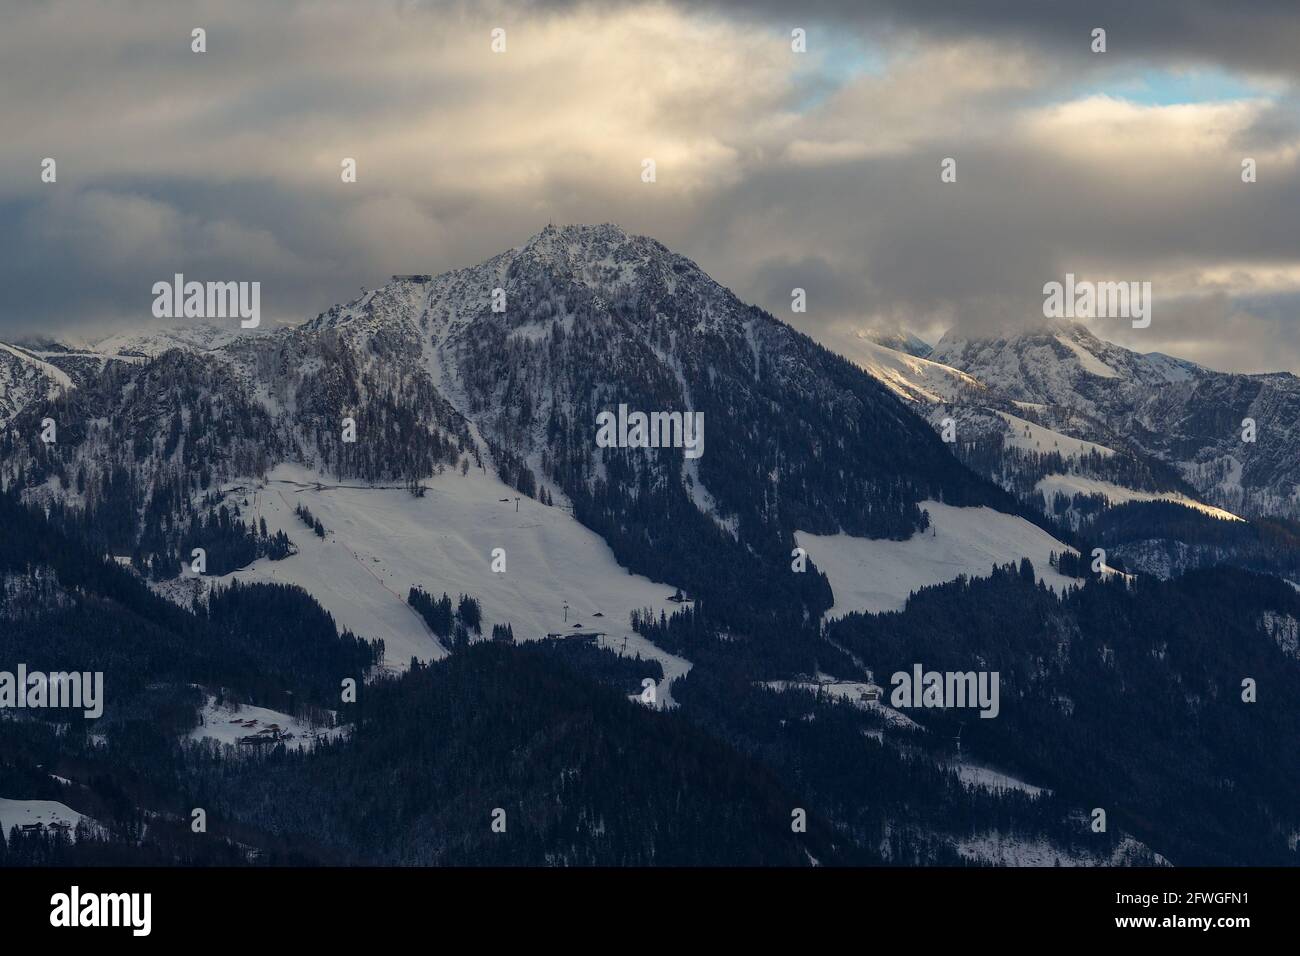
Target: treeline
310	520
271	645
88	845
602	665
138	443
580	775
289	634
1191	539
893	795
455	623
1020	469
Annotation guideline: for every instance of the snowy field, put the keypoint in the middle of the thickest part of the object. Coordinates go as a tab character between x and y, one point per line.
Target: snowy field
226	723
19	813
1070	485
878	575
382	541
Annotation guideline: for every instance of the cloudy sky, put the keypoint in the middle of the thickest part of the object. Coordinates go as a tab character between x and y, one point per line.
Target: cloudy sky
775	169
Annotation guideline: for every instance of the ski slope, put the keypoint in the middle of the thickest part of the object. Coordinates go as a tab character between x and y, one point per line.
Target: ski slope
382	541
876	575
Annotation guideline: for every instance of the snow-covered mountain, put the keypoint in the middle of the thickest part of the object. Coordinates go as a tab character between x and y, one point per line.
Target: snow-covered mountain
1061	364
1175	411
37	370
499	371
199	337
439	432
1139	423
503	367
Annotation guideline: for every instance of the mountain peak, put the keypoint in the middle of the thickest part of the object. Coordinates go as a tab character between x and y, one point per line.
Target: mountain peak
581	233
610	262
577	246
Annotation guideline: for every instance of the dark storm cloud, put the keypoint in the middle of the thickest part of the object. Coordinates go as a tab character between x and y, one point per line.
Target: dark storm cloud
1244	35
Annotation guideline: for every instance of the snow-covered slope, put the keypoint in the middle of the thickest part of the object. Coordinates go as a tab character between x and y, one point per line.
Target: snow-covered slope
999	849
381	542
20	813
879	575
1166	409
25	378
939	392
1071	485
910	377
1030	436
197	336
434	378
1087	360
900	341
865	696
32	371
1061	363
1060	388
227	723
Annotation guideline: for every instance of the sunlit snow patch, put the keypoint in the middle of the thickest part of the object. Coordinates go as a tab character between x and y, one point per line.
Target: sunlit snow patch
1070	485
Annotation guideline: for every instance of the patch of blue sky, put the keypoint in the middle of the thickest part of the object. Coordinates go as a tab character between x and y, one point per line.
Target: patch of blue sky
1172	87
833	61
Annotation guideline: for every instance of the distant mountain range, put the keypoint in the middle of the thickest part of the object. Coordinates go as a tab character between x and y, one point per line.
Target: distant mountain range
1071	386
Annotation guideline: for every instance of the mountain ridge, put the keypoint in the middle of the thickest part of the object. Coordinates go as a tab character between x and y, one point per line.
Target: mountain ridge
1166	410
506	365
